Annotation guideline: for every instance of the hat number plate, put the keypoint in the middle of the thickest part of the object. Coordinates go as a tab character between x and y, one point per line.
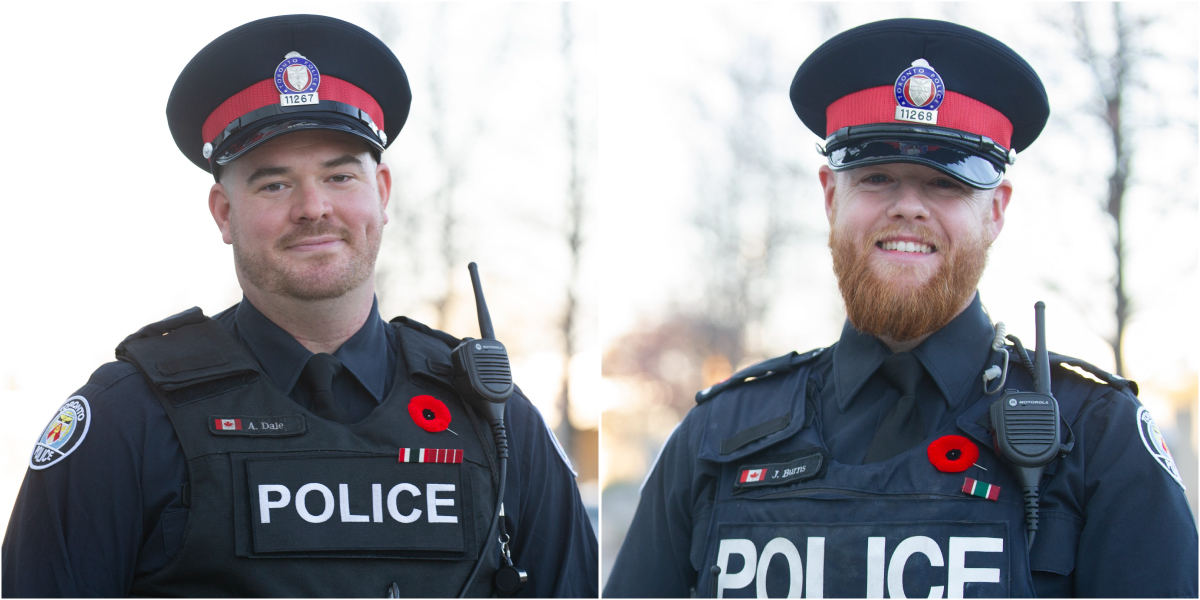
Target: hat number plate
298	99
916	115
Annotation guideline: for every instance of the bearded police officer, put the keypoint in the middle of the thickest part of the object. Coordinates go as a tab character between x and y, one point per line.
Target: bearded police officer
295	444
884	463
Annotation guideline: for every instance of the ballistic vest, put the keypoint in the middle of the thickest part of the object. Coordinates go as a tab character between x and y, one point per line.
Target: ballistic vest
285	503
788	520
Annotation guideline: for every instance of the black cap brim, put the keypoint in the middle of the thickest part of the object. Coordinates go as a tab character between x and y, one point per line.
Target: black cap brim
963	166
266	129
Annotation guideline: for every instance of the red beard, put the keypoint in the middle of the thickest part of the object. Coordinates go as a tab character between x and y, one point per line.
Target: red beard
878	303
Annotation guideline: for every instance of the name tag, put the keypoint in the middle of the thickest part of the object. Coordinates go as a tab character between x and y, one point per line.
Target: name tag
272	426
834	560
801	469
331	506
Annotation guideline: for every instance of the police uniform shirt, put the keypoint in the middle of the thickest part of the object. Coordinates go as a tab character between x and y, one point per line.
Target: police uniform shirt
361	385
1113	522
857	395
113	508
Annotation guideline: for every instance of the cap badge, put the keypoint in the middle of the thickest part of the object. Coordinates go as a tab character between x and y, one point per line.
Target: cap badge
297	80
919	92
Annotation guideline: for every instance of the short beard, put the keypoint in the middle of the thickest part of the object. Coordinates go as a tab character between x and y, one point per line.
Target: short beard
879	307
316	282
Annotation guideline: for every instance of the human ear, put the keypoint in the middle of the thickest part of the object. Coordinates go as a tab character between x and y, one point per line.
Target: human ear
999	203
383	179
829	185
218	205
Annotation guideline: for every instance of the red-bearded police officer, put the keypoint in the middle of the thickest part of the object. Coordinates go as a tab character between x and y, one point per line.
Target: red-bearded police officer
869	467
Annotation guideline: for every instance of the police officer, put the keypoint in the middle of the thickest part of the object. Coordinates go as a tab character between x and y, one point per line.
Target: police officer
295	444
872	466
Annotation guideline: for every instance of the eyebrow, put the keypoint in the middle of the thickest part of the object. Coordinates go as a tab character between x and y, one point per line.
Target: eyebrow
345	159
261	172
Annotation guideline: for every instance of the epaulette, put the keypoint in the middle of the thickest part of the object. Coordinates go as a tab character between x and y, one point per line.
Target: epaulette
446	338
780	364
1125	385
188	317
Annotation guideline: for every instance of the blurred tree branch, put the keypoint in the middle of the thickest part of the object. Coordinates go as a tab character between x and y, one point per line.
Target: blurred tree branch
573	229
1112	74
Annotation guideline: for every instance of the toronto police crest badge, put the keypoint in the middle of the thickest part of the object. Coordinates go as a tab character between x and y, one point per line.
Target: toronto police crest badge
64	433
1153	439
919	92
297	80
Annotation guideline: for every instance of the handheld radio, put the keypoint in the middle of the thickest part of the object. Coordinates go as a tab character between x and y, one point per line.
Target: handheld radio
1026	427
481	370
483	377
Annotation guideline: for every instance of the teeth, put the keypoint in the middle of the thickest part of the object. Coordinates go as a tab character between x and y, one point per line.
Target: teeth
906	247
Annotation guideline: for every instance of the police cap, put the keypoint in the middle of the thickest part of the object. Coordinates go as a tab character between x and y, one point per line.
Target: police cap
921	91
284	74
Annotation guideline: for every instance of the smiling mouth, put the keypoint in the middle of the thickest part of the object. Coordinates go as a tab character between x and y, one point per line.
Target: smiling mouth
908	247
313	243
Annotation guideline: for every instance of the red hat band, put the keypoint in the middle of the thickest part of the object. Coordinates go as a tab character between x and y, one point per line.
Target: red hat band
878	105
264	93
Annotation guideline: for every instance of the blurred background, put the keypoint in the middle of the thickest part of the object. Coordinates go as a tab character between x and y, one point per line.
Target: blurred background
714	233
109	227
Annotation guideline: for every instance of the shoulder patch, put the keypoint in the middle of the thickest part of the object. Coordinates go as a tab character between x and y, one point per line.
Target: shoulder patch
1156	445
64	433
780	364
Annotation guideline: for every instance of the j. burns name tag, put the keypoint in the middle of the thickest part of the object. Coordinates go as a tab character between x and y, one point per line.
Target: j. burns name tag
801	469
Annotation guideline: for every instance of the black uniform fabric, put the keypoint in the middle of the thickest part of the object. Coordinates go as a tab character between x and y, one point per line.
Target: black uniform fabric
114	509
1113	521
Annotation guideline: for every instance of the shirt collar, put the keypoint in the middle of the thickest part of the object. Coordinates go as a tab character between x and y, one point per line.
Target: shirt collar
283	358
953	356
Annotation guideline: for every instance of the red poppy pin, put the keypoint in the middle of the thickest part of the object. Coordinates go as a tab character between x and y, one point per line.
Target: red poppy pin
952	453
429	413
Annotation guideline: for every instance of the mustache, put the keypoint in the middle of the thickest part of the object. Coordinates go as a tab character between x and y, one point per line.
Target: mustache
309	230
923	233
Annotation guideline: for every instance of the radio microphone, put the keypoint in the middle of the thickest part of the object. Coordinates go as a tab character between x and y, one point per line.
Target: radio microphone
483	376
481	370
1026	427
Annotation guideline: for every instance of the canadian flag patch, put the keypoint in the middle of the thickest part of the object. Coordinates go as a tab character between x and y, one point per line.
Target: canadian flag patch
750	475
228	424
431	455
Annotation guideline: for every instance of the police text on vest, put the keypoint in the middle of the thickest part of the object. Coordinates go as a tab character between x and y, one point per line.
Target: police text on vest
283	496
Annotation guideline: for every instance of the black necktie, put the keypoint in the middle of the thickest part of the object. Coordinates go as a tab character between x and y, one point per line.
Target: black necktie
902	427
318	374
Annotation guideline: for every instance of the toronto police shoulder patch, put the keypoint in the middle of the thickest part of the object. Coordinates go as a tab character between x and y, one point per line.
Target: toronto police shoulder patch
64	433
1154	442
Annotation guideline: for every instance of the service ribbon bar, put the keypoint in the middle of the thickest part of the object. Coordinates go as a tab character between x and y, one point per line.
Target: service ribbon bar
981	489
431	455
